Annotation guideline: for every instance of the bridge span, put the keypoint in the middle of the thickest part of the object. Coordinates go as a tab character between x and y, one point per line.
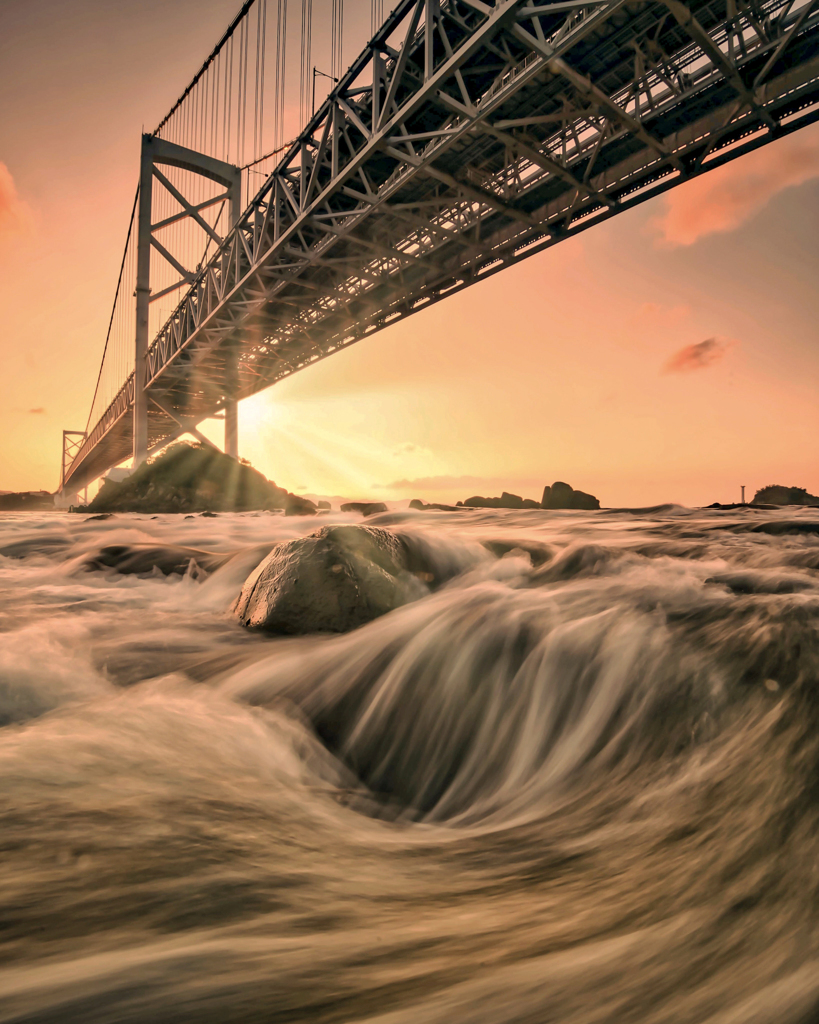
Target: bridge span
464	137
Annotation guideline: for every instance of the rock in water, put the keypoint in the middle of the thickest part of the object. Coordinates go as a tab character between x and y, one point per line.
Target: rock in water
144	558
422	506
586	501
366	508
331	581
562	495
296	506
192	478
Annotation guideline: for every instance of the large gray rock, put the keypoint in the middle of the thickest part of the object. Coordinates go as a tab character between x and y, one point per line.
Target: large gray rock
331	581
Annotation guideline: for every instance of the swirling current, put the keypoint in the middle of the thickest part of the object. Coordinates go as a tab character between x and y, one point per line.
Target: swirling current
578	783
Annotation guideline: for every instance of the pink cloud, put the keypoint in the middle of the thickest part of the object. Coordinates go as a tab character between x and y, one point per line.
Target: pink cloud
14	213
723	199
696	357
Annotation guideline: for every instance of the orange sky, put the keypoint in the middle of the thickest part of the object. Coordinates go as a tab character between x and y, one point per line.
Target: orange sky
669	354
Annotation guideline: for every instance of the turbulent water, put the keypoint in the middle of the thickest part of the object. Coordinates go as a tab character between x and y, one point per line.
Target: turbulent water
578	783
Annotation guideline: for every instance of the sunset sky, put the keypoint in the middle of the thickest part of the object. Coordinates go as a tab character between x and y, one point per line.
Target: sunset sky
671	354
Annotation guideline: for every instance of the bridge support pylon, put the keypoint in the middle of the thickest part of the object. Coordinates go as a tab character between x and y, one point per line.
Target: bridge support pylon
231	403
155	153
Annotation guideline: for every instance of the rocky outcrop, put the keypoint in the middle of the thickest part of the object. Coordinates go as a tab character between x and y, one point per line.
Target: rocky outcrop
331	581
296	506
366	508
506	500
563	495
194	478
423	506
776	494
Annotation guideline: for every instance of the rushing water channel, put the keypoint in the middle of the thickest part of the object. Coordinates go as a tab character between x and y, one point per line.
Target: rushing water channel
580	790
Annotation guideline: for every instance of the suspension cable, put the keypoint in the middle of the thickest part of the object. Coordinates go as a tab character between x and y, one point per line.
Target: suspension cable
113	310
228	33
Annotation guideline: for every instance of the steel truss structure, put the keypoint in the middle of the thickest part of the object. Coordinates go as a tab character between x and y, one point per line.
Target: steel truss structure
490	133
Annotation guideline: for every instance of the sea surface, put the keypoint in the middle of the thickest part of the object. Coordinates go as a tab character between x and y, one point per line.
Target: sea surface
578	783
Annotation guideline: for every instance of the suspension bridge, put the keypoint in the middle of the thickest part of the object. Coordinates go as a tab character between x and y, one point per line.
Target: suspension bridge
464	136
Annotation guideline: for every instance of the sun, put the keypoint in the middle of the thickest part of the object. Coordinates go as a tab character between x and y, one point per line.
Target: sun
260	413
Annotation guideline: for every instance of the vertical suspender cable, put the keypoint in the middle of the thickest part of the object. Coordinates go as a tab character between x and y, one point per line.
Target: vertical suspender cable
214	96
376	15
261	78
239	99
281	65
230	100
337	30
306	54
245	48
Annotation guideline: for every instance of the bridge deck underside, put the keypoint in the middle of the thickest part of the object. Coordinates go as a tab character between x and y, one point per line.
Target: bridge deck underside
526	129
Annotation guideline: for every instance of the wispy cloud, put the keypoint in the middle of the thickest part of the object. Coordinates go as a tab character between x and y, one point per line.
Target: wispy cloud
725	198
409	448
14	213
696	357
438	483
39	411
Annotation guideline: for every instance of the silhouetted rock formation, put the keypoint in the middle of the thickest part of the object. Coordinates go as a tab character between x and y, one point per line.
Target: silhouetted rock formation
506	500
331	581
296	506
562	495
559	495
423	506
26	501
776	494
366	508
195	478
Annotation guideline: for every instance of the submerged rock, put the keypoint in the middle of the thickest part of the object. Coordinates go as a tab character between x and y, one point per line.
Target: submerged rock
538	552
366	508
331	581
144	558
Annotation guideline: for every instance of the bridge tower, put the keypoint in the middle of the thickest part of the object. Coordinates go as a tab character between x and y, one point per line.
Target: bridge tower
156	153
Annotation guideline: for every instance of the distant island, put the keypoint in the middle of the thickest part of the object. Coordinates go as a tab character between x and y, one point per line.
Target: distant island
776	494
558	495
